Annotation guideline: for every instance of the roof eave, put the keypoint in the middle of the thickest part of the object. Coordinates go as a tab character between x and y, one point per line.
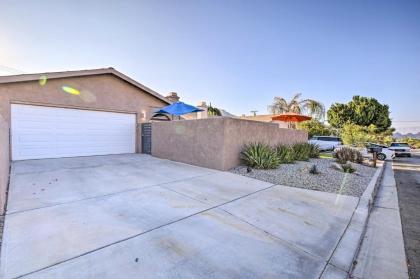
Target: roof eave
67	74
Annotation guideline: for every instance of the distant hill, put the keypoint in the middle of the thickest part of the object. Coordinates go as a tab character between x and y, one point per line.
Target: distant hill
408	135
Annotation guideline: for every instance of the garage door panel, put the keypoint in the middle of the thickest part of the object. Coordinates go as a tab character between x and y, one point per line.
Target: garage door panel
46	132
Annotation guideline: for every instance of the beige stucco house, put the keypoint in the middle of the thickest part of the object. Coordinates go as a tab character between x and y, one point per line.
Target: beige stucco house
39	114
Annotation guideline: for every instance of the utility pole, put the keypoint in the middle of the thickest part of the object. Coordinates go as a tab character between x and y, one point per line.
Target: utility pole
254	112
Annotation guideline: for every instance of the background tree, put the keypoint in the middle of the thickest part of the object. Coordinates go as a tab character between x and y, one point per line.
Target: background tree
357	135
315	128
212	111
352	134
296	105
362	111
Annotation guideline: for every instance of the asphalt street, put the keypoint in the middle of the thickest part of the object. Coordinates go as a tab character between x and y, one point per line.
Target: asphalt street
407	176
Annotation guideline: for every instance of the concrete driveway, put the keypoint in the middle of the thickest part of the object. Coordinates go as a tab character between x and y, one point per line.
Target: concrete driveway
136	216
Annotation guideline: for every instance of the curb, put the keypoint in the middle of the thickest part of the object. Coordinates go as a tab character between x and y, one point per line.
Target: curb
348	246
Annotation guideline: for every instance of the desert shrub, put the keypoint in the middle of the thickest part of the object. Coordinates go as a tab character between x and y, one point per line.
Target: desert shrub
313	169
347	154
314	151
260	156
301	151
348	168
285	154
358	157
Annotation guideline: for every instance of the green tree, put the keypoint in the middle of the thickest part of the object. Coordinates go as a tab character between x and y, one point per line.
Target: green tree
296	105
362	111
413	142
315	127
353	134
212	111
376	136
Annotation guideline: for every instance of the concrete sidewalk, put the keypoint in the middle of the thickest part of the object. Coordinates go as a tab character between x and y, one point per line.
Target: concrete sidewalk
382	252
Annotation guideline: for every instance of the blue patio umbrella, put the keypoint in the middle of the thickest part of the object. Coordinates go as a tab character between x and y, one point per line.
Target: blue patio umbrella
179	108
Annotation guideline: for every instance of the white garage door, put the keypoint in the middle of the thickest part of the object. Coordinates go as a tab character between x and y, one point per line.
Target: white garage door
47	132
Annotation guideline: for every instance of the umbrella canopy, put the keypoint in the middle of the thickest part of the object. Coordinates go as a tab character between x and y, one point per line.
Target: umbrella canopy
179	108
291	117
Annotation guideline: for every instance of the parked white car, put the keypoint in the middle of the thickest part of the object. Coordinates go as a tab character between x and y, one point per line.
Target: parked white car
401	149
326	142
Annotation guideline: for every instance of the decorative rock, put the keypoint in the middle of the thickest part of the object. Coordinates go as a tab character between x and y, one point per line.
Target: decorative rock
331	177
336	166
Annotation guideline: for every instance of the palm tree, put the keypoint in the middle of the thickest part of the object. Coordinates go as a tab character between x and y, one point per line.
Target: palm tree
295	105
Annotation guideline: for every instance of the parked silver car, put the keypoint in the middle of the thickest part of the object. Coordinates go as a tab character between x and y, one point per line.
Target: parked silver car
401	149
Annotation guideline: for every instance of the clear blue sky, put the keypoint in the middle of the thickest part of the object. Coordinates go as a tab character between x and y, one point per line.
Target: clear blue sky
236	54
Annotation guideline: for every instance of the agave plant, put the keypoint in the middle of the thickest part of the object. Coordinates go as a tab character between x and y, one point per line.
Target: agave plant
313	169
260	156
314	150
285	154
348	168
302	151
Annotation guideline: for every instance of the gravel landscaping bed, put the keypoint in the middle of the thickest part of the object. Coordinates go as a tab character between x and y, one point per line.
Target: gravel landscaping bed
329	178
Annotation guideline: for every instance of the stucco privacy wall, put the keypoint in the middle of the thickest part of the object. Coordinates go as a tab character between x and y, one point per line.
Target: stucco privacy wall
241	132
197	142
104	92
215	142
4	161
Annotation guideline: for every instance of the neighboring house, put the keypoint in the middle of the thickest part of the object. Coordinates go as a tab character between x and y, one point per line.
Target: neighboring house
74	113
199	115
173	98
227	114
266	118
